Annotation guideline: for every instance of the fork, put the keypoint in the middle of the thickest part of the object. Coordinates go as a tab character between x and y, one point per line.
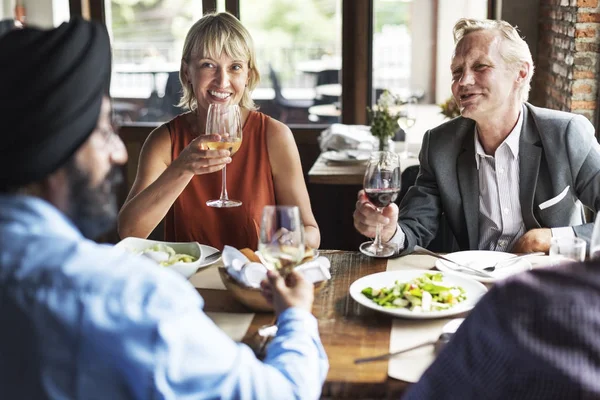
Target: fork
512	260
467	268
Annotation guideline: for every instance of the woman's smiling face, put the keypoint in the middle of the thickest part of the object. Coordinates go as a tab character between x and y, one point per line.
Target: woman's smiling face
221	79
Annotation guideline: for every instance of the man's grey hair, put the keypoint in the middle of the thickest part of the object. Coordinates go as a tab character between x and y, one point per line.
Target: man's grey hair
515	51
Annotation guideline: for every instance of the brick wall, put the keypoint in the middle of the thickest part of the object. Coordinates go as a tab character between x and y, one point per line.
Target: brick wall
568	56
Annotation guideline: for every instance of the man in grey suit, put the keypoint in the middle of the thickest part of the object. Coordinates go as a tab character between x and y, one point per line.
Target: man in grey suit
508	176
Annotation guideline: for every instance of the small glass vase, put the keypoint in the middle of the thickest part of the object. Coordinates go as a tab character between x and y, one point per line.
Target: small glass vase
386	144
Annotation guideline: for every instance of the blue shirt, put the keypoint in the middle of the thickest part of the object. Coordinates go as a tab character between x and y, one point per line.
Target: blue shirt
83	320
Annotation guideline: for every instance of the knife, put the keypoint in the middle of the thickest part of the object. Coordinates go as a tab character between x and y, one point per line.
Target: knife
212	257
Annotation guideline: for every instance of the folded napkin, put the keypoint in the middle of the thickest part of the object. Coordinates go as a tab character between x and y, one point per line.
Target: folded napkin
343	137
250	274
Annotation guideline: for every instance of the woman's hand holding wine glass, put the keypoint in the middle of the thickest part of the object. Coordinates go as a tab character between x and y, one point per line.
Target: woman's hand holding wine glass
196	159
381	186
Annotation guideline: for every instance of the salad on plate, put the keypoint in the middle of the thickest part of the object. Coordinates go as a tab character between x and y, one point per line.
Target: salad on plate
421	294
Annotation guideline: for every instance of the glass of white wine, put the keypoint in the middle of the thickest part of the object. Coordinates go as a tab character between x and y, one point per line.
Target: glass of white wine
407	121
226	121
281	237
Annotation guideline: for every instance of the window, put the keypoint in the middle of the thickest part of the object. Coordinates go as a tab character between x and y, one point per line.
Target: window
147	39
413	44
298	51
392	46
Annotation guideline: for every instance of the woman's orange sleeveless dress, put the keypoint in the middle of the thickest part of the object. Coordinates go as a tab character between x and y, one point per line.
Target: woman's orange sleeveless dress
249	179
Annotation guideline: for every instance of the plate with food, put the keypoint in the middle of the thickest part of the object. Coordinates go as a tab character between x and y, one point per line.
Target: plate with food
417	294
183	257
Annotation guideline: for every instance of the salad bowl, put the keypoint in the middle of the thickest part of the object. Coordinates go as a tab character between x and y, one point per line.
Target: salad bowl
163	252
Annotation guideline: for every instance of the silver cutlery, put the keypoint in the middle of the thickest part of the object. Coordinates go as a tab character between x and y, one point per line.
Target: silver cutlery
510	261
212	257
390	355
447	332
466	267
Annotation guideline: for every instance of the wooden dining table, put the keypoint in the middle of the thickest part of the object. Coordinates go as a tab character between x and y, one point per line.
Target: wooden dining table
348	330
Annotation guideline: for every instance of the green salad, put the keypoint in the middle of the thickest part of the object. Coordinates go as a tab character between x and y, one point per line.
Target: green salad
166	255
424	293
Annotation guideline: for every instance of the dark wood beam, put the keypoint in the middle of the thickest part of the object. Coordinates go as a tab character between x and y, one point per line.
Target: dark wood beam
209	6
88	9
357	39
434	47
79	8
97	11
233	7
492	4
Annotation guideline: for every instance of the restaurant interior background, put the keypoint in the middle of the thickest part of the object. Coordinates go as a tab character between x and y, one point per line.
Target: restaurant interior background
325	61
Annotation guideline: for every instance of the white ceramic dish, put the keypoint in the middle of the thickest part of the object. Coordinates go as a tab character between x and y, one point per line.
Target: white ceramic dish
200	251
480	259
473	289
346	156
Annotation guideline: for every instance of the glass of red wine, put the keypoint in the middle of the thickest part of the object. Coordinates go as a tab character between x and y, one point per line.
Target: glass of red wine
382	185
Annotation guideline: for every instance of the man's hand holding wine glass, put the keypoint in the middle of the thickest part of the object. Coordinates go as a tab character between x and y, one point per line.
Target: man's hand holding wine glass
381	187
282	246
291	291
282	237
366	218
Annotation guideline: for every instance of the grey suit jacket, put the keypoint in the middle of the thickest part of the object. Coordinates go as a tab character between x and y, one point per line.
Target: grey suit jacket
556	150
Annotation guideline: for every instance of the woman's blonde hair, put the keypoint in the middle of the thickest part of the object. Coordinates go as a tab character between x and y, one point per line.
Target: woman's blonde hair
515	50
210	36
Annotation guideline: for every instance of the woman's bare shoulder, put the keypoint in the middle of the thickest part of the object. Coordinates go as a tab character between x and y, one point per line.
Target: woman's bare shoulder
158	144
277	130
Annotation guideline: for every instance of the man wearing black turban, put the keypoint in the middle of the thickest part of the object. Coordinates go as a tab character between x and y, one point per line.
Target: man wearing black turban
53	84
82	320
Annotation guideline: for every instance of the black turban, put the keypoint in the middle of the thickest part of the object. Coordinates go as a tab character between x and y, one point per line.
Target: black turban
51	88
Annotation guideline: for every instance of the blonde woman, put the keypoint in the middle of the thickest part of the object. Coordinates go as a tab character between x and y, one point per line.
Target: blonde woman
176	176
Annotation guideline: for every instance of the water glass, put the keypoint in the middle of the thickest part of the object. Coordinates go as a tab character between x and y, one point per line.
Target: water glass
570	248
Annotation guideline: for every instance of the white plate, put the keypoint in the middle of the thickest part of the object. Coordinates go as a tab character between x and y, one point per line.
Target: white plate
347	156
195	249
473	290
480	259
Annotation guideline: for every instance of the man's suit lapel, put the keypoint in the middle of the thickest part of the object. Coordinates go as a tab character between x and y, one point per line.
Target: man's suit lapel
468	182
530	154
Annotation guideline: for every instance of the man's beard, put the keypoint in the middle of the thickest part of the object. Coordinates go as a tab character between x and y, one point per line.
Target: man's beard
92	209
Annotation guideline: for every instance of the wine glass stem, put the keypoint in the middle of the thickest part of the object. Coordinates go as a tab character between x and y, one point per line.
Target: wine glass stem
377	239
224	195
